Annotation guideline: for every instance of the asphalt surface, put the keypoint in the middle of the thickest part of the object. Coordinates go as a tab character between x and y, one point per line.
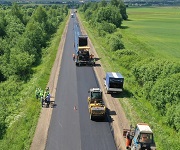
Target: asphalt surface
70	127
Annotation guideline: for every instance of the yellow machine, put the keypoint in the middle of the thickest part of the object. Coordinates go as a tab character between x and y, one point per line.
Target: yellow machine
96	105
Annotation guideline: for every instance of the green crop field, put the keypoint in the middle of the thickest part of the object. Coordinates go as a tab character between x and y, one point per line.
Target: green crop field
155	27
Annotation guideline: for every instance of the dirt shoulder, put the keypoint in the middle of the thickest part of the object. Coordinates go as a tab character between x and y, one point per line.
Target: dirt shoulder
118	117
41	133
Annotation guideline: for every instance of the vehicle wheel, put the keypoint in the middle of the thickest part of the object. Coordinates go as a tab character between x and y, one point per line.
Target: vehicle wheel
91	117
104	118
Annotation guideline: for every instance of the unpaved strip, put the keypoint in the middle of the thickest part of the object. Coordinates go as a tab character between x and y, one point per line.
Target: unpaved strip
41	133
119	120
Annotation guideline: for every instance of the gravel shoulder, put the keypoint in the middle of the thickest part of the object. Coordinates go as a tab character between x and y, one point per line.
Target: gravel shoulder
41	133
119	120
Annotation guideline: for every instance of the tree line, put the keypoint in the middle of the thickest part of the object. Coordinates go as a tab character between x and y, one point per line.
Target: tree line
106	18
25	32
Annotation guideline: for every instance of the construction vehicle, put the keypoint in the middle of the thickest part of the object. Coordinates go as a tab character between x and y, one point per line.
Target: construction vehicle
96	105
113	82
82	54
140	138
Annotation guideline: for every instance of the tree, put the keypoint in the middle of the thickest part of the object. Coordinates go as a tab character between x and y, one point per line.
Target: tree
16	11
109	14
121	7
2	24
21	63
173	115
103	3
114	42
40	15
166	91
37	35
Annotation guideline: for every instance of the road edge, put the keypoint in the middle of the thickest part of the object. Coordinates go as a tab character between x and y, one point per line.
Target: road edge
41	132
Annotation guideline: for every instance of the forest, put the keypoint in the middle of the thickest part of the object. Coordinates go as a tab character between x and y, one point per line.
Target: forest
25	35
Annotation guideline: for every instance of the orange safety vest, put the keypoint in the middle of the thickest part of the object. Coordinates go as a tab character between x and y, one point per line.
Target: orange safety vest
128	142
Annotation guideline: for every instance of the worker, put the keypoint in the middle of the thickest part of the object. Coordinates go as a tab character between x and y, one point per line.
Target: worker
144	138
46	92
41	97
128	139
48	97
47	89
37	92
73	57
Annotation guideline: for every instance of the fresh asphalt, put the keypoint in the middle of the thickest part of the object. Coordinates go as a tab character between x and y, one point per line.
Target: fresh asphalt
70	126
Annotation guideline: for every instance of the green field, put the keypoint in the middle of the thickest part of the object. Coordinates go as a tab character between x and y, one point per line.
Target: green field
156	28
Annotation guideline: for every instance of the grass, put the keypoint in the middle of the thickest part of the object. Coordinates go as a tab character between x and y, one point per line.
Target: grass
158	28
149	32
19	135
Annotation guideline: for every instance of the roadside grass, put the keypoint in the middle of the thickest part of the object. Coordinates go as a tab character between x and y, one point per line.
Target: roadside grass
156	37
19	135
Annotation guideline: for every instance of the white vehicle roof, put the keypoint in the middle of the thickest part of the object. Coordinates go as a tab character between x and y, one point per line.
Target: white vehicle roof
95	89
144	128
114	75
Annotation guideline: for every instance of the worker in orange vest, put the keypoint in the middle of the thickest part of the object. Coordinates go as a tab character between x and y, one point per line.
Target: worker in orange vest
128	140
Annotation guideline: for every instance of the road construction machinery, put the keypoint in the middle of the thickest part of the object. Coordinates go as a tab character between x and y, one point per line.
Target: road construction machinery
139	138
82	54
113	82
96	105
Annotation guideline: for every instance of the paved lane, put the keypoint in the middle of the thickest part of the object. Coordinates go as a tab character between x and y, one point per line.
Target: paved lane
72	129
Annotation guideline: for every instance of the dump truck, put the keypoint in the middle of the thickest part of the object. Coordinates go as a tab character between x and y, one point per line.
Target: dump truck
113	82
139	138
96	105
83	56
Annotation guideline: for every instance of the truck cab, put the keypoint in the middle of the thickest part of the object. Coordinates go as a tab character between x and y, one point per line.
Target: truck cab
143	138
114	82
95	103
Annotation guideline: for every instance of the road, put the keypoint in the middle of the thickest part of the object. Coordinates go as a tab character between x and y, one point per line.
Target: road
70	126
